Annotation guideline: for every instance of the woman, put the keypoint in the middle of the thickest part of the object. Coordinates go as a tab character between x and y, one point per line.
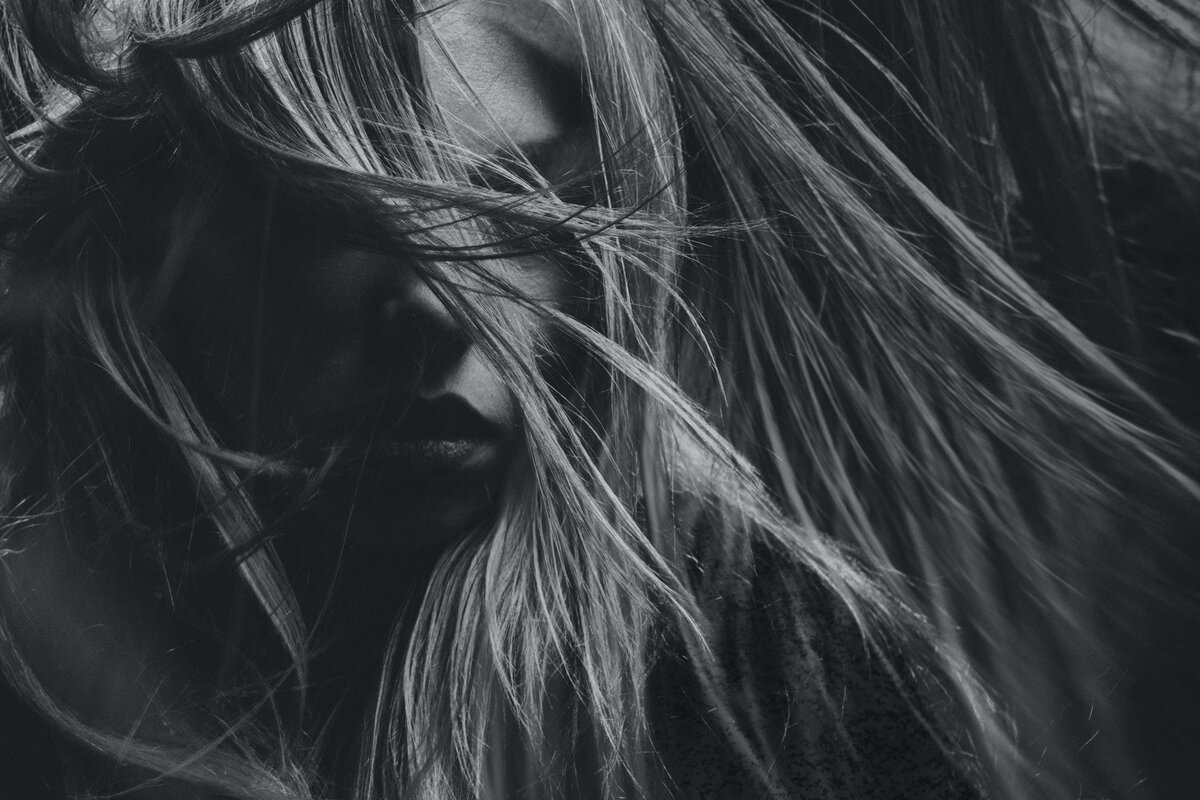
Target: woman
447	401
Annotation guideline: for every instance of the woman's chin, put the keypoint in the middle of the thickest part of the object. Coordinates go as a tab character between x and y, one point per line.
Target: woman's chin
409	514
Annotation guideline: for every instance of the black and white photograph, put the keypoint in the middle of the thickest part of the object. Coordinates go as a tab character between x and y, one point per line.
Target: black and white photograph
599	399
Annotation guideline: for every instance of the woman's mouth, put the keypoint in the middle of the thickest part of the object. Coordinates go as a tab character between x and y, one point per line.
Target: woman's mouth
440	438
433	457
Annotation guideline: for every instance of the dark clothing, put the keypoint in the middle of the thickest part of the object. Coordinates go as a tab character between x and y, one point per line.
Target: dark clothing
824	714
808	712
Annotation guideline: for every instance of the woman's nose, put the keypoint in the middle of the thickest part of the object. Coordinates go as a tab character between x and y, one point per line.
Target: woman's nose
415	329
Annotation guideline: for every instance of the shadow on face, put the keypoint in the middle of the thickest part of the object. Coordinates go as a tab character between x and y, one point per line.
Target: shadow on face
339	355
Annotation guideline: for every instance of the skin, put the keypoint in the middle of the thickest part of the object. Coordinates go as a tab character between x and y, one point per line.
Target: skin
322	343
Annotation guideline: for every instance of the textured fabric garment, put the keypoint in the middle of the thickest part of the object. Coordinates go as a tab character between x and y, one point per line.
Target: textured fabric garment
812	714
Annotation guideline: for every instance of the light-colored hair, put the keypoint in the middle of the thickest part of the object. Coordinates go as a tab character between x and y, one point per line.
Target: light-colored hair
803	326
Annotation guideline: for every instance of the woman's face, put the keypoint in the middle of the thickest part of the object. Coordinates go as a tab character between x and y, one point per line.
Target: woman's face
335	346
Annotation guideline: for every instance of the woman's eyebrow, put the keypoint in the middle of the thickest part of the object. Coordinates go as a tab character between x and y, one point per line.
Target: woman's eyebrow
540	153
556	156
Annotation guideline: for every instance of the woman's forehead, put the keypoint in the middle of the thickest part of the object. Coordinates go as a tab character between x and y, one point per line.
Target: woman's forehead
539	24
503	72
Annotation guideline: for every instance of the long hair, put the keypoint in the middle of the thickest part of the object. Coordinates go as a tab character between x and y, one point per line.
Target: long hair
1033	539
800	319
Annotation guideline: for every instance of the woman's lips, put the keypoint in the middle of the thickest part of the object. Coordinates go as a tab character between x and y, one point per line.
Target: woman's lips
434	457
437	438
